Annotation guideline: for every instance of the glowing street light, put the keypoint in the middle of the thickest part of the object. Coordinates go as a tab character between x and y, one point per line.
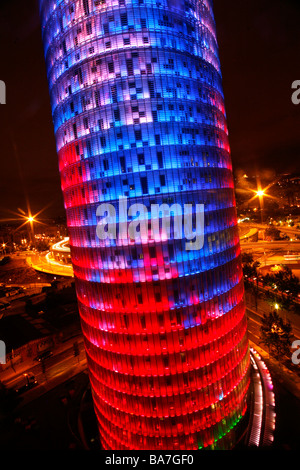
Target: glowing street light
26	218
260	192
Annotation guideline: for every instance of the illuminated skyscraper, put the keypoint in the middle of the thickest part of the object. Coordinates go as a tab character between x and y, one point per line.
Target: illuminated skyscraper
138	112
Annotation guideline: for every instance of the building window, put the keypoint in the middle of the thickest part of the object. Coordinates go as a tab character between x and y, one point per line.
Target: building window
152	251
141	159
138	134
124	20
166	361
144	184
117	114
162	180
89	28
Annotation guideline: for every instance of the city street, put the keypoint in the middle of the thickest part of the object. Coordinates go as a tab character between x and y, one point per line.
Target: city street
57	367
50	421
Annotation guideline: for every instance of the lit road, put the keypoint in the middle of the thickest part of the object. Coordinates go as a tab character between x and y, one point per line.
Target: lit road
262	249
270	253
255	322
284	229
283	245
58	368
44	263
62	246
264	416
17	306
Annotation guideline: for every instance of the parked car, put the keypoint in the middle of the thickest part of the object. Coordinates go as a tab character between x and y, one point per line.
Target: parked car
27	382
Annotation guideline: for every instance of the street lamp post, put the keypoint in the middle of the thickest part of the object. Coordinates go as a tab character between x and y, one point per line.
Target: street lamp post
31	221
260	193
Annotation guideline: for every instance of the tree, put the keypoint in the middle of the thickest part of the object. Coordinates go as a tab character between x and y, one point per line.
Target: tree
284	283
42	245
250	266
276	334
250	271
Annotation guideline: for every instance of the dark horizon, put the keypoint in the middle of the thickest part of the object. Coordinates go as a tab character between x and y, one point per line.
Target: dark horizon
258	49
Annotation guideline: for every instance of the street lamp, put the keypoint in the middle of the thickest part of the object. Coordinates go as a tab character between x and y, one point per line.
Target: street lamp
31	220
26	218
260	193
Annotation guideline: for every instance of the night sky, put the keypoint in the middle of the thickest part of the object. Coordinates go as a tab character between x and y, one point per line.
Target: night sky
259	44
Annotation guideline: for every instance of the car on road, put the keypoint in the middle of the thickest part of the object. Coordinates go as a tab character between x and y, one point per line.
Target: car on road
27	382
44	355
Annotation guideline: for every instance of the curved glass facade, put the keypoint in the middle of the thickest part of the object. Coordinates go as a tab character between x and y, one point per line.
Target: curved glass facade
138	112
